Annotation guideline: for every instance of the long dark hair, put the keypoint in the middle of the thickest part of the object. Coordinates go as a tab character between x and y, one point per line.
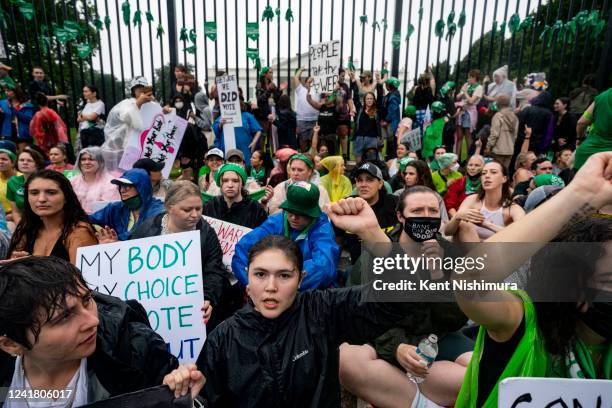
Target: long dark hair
506	192
423	172
31	224
567	272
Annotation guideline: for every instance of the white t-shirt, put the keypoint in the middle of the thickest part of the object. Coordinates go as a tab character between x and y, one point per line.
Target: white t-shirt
303	110
95	107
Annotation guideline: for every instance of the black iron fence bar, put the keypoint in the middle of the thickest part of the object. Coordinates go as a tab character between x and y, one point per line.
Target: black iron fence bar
151	48
288	53
27	41
278	70
225	31
110	56
161	48
321	22
309	32
561	66
429	34
216	45
195	54
523	34
120	48
512	42
570	68
533	36
397	27
450	42
341	36
492	39
373	36
205	42
331	26
268	39
596	54
183	26
36	40
547	18
416	67
552	48
16	45
502	34
100	59
484	18
59	55
91	69
584	49
75	92
246	38
406	57
458	66
440	42
129	26
605	63
142	70
236	37
362	37
71	110
384	41
352	56
469	60
299	36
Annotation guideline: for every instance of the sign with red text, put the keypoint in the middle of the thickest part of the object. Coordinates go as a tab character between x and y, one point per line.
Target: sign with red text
324	66
160	140
229	234
164	274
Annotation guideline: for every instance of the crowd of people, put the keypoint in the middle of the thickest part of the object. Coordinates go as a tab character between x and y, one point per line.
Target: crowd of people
318	185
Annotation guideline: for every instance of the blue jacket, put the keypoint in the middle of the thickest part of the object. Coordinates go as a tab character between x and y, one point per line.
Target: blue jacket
319	249
24	117
392	103
117	216
5	130
244	134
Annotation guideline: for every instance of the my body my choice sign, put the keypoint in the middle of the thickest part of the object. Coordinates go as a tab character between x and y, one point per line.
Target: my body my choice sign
164	274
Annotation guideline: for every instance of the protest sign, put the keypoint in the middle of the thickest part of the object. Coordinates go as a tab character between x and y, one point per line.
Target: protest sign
413	139
164	274
160	139
554	392
229	100
229	234
324	66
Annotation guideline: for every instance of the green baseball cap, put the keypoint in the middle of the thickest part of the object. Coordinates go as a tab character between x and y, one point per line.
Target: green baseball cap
303	199
230	167
264	71
394	82
438	107
410	110
447	87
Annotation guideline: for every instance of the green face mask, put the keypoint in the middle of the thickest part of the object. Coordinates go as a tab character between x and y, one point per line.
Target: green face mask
133	203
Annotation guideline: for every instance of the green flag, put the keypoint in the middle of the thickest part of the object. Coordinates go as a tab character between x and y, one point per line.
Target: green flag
396	41
137	20
149	16
191	49
160	30
125	10
461	21
210	30
252	54
514	24
439	29
83	50
410	31
183	34
192	35
26	8
252	30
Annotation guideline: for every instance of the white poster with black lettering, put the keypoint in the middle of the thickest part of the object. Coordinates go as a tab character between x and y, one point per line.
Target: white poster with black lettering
229	104
324	66
554	392
413	139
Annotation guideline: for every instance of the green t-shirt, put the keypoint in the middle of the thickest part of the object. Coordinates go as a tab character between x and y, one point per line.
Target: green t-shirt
15	190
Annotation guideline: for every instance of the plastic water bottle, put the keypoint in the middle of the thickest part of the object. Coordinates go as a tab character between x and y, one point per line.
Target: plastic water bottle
427	350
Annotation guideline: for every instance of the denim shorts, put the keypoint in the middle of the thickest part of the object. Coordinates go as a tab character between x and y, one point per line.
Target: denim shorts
466	120
362	143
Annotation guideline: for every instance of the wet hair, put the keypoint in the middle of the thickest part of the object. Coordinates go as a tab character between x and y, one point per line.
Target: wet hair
32	289
401	202
30	224
180	190
506	191
35	155
96	153
423	173
41	99
534	165
288	247
557	320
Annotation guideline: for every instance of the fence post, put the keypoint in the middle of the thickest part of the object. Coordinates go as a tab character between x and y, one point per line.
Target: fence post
605	59
397	27
172	41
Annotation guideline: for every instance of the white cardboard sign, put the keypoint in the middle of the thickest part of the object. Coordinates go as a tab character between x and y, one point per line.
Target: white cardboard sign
554	393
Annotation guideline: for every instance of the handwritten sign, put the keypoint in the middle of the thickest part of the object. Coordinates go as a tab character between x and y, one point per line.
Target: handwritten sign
229	100
324	66
160	140
554	392
164	274
413	138
229	234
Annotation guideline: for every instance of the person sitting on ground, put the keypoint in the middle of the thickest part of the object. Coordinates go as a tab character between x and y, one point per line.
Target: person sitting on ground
259	169
397	181
338	186
465	186
234	204
504	131
376	372
407	123
47	127
522	171
302	221
8	158
206	178
539	166
563	161
488	211
53	222
394	164
280	172
92	184
300	168
447	174
58	155
159	184
183	212
433	163
58	334
136	205
29	162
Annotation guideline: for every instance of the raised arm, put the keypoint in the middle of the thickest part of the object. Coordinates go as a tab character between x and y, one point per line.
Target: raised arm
585	121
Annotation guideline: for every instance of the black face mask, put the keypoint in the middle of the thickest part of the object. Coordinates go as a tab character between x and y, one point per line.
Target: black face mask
475	177
421	229
599	318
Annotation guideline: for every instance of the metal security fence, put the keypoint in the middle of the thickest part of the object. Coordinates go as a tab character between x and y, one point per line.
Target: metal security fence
108	42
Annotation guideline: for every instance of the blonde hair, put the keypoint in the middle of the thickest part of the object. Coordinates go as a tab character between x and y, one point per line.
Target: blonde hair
180	190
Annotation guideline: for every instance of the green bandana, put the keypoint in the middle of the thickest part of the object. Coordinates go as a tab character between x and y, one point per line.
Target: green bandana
302	157
258	175
472	88
471	186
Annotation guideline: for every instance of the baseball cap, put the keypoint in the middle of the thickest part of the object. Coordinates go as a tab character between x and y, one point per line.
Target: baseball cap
148	165
369	168
214	152
235	152
303	199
